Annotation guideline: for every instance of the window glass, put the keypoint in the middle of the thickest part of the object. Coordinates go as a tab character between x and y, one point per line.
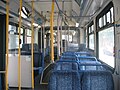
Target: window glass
112	14
106	46
17	41
29	32
92	28
21	30
14	37
100	22
14	41
91	41
28	39
104	18
108	17
12	28
89	29
65	37
91	36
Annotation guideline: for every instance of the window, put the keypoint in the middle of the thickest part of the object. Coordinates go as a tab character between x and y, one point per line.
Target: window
14	37
106	17
17	41
91	36
100	22
91	41
12	28
105	35
89	30
25	13
112	14
106	46
29	32
21	30
92	28
28	39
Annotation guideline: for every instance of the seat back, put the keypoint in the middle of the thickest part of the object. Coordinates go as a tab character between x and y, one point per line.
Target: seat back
82	54
68	58
26	50
97	80
90	65
66	66
25	47
64	80
28	47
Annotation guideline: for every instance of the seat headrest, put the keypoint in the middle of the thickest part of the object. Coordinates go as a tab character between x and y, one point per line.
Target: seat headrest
27	47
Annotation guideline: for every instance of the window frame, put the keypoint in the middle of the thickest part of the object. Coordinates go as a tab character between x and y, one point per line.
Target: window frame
106	26
104	12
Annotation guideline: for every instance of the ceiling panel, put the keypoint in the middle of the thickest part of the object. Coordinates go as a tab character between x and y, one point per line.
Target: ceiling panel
44	7
95	6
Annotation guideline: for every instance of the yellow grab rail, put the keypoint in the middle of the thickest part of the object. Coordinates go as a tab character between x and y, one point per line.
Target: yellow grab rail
32	41
58	37
51	31
19	51
7	51
44	37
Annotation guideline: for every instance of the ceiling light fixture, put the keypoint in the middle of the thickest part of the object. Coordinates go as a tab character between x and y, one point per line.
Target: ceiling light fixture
77	24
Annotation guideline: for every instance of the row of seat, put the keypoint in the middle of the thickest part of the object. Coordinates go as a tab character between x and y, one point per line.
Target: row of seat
84	53
77	56
68	65
83	58
37	57
73	80
84	74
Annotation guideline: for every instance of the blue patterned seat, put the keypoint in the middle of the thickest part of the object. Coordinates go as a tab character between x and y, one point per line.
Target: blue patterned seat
68	58
64	80
97	80
66	66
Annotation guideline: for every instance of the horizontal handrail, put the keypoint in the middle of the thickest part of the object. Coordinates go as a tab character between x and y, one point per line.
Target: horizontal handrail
2	72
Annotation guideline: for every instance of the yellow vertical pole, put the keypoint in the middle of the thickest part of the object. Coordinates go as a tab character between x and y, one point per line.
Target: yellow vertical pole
32	40
51	31
7	51
58	37
44	37
19	51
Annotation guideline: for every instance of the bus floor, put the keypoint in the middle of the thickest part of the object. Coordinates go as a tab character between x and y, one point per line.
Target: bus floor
37	86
